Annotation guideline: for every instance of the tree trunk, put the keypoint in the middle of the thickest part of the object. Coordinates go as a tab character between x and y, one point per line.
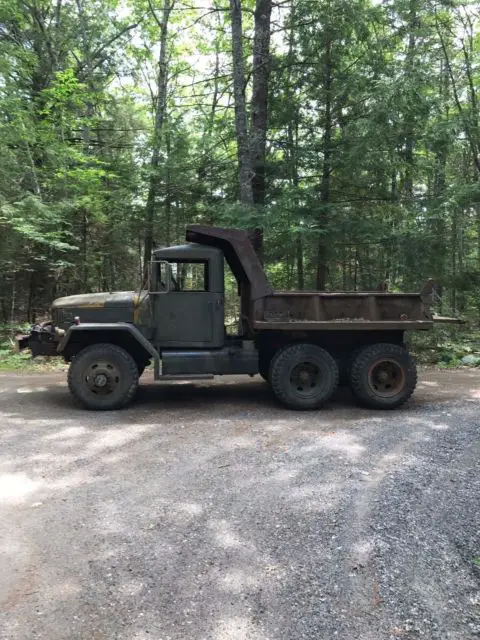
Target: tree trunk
86	138
84	251
13	300
160	108
292	133
454	258
438	246
205	170
168	193
245	172
31	294
326	171
470	122
259	107
409	129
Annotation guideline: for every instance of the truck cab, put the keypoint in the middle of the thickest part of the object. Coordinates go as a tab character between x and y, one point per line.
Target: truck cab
187	301
187	297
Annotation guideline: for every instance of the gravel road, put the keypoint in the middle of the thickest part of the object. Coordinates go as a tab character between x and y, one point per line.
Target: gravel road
207	511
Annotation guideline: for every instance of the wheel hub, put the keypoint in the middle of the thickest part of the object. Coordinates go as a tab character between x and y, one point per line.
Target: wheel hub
305	377
383	376
386	377
102	378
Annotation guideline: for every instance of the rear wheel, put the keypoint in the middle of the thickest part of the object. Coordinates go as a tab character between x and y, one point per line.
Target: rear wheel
383	376
303	376
103	377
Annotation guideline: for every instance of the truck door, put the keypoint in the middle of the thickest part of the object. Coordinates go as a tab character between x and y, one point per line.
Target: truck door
190	314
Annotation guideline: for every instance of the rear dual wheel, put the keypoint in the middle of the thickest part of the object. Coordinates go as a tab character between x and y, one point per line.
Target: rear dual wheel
383	376
303	376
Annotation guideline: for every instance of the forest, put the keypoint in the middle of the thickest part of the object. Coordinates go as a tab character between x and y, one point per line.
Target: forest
344	135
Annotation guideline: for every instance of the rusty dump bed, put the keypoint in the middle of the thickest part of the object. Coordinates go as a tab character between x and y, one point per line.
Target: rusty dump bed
312	310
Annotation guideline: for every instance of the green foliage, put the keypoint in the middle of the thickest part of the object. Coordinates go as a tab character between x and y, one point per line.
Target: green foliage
447	347
373	130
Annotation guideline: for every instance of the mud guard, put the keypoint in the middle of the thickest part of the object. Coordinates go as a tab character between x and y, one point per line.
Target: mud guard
117	326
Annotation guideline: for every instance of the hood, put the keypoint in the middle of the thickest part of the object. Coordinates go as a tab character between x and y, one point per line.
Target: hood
120	306
97	300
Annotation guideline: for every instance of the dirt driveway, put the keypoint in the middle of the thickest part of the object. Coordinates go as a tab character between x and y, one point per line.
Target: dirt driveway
207	511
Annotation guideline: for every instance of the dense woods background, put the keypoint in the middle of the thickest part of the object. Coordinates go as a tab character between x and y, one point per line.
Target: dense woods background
344	134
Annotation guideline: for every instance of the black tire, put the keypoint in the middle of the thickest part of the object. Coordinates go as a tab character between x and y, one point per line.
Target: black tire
303	376
103	377
383	376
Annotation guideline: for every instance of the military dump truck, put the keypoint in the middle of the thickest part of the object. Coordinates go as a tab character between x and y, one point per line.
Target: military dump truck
302	343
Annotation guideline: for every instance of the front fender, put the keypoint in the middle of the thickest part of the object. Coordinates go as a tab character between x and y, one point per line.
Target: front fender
75	330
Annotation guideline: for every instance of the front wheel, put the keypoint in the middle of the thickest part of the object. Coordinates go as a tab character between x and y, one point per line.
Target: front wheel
383	376
303	376
103	377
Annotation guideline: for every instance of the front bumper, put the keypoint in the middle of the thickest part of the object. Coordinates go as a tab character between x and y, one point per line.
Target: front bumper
42	340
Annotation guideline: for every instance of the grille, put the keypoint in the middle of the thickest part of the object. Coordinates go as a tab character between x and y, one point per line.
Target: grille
62	316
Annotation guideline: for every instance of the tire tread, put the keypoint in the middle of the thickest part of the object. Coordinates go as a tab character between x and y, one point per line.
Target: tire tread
279	363
109	348
358	382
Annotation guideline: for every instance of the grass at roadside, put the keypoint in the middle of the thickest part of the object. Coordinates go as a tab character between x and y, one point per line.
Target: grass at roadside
12	361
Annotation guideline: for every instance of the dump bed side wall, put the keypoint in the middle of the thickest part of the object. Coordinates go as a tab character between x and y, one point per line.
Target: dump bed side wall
341	311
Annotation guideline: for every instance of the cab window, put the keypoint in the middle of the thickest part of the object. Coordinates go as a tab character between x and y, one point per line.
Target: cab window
189	276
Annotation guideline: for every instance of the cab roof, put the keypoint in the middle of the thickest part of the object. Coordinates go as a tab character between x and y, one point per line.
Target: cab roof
191	251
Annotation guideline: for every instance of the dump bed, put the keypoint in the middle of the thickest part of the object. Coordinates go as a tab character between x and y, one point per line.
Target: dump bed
265	309
314	311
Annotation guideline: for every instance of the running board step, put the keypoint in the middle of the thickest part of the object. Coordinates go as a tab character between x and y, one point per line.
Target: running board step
188	376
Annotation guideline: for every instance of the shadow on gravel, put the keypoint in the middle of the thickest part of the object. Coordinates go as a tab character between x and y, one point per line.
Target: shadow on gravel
254	394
